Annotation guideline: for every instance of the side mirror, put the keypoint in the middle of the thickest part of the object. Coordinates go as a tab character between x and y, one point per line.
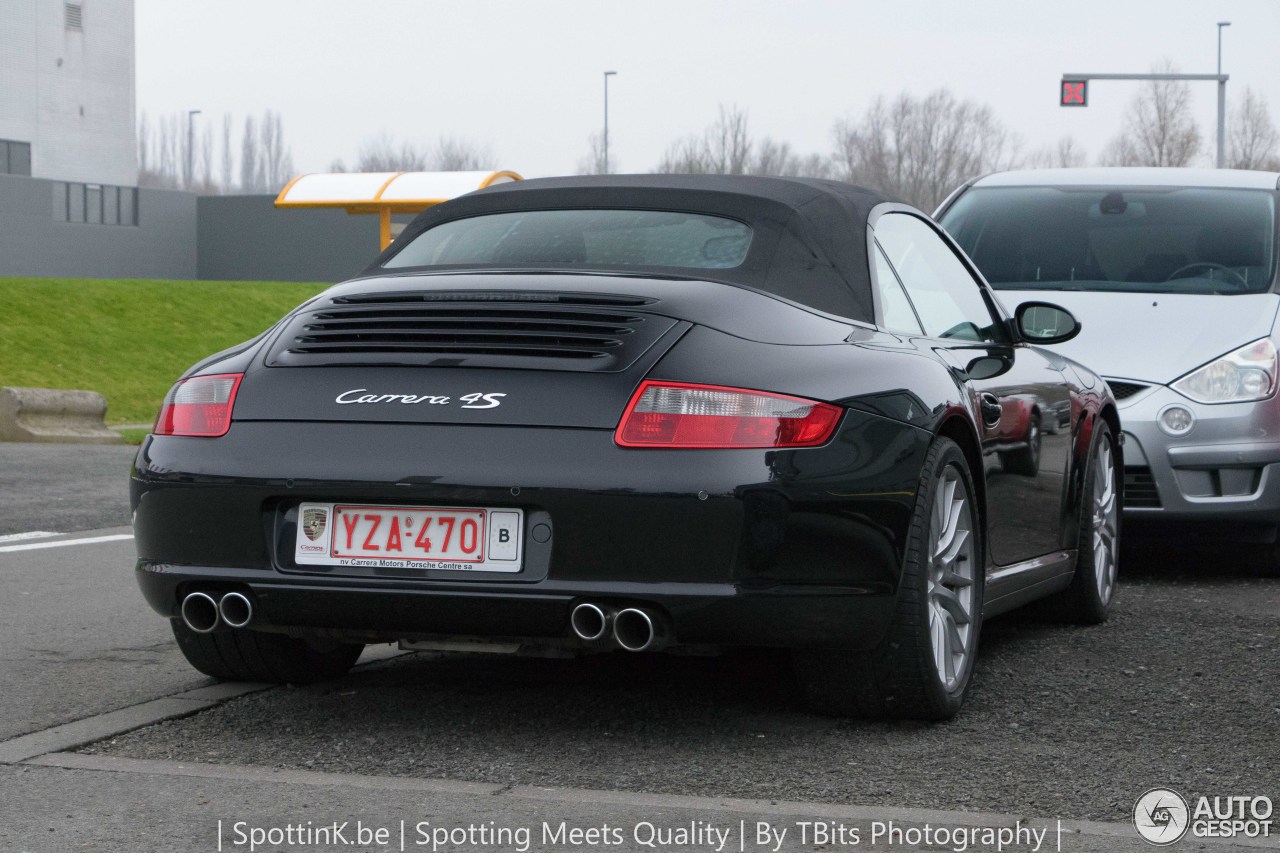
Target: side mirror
988	367
1045	323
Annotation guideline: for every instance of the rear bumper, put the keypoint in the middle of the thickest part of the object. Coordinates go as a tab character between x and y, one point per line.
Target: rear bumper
722	615
769	548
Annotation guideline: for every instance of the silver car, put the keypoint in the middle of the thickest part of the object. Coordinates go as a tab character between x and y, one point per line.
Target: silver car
1172	273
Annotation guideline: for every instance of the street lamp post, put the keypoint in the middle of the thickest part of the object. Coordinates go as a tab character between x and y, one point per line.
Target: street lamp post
1222	100
607	75
190	176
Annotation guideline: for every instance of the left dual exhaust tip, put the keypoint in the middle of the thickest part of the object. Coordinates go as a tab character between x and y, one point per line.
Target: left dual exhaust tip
633	628
203	613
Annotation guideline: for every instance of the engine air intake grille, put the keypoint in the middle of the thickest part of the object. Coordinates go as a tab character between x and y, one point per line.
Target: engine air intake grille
1140	488
476	329
1125	389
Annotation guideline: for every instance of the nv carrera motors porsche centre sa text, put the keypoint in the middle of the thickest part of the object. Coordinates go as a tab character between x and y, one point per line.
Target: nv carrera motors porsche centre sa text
584	414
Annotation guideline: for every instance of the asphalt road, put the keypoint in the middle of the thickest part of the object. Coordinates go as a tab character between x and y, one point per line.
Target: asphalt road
77	637
1063	722
1177	690
63	487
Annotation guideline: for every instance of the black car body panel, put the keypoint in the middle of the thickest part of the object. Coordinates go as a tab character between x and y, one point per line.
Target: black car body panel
357	397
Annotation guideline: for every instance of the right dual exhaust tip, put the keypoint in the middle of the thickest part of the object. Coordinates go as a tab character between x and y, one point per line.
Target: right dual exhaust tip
203	613
633	629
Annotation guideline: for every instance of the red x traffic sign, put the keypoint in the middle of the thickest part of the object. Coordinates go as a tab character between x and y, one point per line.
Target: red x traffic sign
1074	93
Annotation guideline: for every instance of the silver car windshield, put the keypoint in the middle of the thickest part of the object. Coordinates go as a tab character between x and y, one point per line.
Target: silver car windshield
1178	240
582	238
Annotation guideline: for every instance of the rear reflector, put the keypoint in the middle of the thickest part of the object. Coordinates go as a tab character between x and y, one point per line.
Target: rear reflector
677	414
199	406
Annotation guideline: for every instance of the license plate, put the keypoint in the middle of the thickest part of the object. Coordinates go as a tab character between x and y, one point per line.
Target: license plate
463	539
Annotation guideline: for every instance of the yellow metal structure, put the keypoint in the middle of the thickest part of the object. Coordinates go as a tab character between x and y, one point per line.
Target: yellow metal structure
384	193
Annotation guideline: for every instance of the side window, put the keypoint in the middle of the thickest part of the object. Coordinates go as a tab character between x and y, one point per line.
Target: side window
944	294
896	309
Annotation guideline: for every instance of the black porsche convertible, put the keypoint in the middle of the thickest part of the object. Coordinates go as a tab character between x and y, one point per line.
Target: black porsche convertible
639	413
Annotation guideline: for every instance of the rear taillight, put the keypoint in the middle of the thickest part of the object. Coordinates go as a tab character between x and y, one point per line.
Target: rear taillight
677	414
199	406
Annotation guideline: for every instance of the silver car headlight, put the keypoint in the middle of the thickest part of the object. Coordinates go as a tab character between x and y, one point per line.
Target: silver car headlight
1242	376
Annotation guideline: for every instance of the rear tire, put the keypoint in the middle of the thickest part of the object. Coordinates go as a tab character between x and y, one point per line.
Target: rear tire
1088	600
260	656
921	669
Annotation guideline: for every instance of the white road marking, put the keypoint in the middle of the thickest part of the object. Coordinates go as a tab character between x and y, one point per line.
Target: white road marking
33	546
31	534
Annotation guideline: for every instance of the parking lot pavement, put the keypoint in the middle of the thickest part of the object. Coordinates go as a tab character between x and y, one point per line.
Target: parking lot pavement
63	487
1177	690
77	637
156	806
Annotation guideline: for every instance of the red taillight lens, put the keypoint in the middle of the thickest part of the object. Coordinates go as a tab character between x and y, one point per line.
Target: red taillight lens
677	414
199	406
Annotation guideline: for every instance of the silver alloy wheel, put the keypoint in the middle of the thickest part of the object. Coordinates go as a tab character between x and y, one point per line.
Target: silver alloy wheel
951	569
1105	513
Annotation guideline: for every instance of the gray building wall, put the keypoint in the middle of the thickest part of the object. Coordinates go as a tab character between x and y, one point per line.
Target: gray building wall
182	236
66	87
247	238
34	243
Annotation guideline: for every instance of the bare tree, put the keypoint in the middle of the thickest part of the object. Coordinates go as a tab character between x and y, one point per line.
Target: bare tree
204	182
726	148
773	158
277	161
453	154
228	155
250	171
686	156
776	158
210	167
381	154
449	154
1252	139
592	163
919	149
170	144
144	145
1159	130
1065	154
728	142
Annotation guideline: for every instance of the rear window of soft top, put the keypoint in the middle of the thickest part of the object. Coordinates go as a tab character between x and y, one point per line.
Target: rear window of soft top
590	239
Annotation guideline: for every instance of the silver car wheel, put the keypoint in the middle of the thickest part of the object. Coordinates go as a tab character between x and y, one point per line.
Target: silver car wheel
1106	542
951	569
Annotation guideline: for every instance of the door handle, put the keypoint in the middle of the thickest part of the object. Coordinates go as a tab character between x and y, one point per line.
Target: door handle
991	411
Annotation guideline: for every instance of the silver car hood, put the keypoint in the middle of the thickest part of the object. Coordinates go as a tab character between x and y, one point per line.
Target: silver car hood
1154	337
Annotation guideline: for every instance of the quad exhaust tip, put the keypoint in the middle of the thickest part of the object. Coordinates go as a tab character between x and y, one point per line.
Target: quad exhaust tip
200	612
235	609
591	622
637	631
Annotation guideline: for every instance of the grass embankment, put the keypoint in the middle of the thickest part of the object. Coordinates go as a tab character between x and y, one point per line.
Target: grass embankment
128	339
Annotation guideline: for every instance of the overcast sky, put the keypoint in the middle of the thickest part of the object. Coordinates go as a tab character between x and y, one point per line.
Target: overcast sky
526	77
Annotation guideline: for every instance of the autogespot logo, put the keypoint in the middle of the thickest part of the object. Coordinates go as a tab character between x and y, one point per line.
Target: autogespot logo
1161	816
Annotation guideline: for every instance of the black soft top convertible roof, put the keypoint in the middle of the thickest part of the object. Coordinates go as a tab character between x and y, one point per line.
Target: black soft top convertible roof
809	236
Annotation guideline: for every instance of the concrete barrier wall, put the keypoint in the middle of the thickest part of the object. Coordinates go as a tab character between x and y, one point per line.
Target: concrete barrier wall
34	243
52	415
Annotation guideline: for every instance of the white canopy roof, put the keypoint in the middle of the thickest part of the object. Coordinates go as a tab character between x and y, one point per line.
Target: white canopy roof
375	192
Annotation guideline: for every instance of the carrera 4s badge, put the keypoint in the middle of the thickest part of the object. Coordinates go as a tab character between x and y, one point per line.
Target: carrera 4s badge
475	400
